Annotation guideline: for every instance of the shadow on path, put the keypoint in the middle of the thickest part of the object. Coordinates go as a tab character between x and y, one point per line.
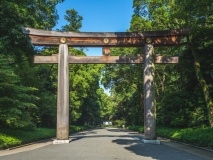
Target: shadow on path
159	152
132	142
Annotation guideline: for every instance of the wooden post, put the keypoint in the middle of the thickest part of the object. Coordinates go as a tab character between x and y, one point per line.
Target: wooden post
149	97
106	51
63	96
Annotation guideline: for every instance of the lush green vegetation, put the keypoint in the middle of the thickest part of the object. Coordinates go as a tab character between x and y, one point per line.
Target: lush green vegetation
202	137
136	128
74	128
11	137
183	91
27	91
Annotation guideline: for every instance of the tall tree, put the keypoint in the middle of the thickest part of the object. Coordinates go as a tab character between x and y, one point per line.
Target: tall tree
74	20
84	80
17	102
126	84
18	49
171	80
195	15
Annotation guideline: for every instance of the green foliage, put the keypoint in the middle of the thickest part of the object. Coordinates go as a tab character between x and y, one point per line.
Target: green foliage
136	128
17	103
179	96
84	84
14	15
119	123
197	136
202	136
105	103
28	92
74	128
126	84
179	88
180	109
10	138
46	115
21	84
74	21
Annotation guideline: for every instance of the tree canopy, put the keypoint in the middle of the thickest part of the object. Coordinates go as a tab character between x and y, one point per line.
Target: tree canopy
184	91
185	88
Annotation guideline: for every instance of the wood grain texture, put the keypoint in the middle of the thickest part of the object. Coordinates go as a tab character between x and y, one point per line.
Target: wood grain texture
164	33
96	39
149	95
105	59
63	94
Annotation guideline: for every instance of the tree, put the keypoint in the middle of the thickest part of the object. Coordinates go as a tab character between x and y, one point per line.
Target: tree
175	84
20	78
197	16
17	103
126	85
74	20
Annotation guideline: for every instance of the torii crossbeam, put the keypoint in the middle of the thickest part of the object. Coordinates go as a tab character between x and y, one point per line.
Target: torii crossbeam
105	39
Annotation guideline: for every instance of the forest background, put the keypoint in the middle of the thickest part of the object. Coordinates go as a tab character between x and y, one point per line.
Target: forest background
184	91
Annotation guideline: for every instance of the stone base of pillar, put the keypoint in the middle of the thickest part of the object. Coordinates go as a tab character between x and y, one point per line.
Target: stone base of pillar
151	141
61	141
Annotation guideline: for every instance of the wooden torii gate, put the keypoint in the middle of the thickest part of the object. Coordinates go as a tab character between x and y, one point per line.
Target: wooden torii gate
105	39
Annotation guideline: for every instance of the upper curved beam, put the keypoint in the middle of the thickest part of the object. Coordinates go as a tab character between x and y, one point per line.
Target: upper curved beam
103	39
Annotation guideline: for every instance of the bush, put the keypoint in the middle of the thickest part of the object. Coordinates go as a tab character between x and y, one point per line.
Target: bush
136	128
202	137
119	123
10	138
74	128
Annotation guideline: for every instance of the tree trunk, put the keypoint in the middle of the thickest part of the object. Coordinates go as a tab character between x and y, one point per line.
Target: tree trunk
204	86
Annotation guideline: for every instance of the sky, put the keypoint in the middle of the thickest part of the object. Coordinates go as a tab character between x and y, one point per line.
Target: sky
98	16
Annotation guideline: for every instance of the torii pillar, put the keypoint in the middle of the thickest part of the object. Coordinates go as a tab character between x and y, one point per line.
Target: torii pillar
62	134
149	96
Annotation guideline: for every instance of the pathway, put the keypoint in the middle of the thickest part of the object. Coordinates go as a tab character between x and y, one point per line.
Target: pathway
107	144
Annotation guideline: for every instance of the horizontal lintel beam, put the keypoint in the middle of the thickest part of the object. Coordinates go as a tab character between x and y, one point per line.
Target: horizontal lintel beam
143	34
104	42
105	59
105	39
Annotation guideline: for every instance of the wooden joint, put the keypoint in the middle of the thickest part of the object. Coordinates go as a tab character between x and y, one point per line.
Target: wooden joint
106	51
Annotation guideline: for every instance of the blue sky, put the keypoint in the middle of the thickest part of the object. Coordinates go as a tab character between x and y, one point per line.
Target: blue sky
99	16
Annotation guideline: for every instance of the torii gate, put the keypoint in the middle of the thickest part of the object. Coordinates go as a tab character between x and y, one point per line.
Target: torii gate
105	39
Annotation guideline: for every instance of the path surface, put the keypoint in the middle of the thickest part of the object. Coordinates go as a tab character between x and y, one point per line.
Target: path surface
107	144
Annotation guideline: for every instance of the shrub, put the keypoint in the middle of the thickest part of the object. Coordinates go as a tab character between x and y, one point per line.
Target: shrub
119	123
202	137
9	137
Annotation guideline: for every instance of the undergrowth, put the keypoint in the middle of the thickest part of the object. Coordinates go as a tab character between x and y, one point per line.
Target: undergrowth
10	137
202	137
